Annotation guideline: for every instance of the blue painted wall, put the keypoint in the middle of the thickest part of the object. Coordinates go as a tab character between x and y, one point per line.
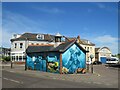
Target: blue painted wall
37	62
73	58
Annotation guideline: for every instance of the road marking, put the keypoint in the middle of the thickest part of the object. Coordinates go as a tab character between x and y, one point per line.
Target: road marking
108	84
11	71
13	80
97	82
88	82
6	78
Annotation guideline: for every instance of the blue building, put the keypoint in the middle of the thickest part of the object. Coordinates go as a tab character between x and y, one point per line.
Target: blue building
61	57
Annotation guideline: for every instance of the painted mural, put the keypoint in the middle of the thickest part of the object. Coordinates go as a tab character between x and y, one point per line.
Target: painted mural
53	63
37	62
73	59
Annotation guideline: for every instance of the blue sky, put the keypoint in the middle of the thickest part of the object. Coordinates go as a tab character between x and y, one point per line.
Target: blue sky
97	22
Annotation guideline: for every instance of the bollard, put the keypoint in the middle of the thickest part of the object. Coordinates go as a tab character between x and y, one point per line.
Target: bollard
11	65
91	68
87	67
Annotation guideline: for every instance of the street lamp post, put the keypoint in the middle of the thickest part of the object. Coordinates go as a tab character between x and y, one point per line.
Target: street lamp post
25	63
25	60
25	54
91	56
88	64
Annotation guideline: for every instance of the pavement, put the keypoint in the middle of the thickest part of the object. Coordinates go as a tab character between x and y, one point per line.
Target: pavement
105	77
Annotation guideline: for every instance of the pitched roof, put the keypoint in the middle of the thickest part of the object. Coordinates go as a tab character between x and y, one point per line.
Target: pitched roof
32	49
81	41
87	42
61	48
32	37
100	48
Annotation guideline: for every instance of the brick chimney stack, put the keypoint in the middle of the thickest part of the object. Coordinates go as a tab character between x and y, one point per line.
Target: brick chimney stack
78	39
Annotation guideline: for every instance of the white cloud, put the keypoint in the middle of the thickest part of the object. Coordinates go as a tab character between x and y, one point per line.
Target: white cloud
15	23
49	10
102	6
105	39
107	7
108	41
5	38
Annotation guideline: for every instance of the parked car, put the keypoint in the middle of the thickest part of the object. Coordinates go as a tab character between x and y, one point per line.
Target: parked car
112	60
97	62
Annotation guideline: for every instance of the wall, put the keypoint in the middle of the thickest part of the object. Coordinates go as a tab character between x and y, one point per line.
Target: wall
104	52
17	54
17	49
91	51
20	52
38	62
73	58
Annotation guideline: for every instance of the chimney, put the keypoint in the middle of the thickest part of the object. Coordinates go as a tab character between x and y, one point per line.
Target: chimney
78	39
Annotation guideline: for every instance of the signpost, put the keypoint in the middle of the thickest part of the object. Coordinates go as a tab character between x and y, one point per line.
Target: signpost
91	56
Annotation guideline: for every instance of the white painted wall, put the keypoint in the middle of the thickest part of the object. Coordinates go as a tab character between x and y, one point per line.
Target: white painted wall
91	51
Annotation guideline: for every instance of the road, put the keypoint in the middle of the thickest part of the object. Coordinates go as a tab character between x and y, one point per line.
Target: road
15	80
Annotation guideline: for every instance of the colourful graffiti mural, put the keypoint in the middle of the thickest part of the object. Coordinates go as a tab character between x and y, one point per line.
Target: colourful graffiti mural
73	59
37	62
53	66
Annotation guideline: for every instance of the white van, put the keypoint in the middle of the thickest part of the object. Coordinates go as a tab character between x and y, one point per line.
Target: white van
112	60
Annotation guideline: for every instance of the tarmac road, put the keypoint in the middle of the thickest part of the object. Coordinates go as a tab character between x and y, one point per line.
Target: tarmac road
15	80
17	77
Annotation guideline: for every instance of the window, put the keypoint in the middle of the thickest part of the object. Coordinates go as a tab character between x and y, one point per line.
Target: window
32	43
21	44
20	58
17	59
40	36
15	45
24	57
13	58
91	49
37	43
58	39
87	48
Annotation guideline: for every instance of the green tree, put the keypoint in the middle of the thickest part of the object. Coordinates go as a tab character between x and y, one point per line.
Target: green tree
118	55
6	58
